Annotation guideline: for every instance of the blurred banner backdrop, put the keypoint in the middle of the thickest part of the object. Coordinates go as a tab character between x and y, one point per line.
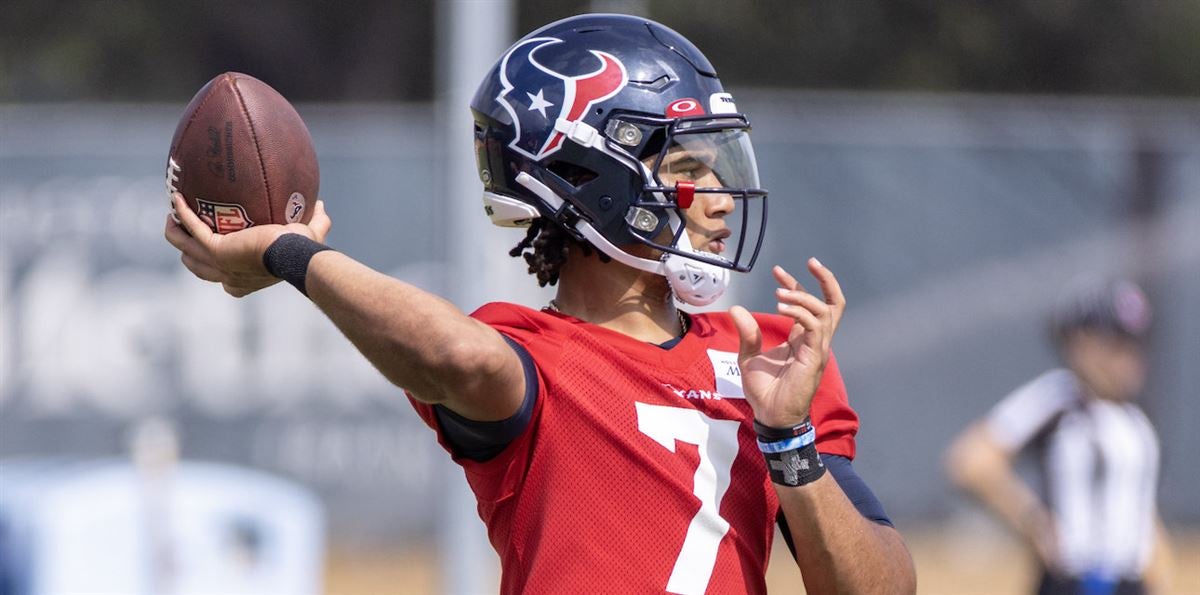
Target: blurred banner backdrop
952	221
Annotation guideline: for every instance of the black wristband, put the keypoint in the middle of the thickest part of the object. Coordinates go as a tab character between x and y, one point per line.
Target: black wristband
288	256
795	467
770	434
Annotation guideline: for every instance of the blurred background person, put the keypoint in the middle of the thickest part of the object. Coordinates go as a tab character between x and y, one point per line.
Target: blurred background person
1095	530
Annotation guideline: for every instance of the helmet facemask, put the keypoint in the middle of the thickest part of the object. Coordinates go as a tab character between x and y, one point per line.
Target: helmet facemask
696	206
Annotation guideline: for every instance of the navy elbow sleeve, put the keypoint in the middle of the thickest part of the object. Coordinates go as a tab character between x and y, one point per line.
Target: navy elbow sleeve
483	440
856	489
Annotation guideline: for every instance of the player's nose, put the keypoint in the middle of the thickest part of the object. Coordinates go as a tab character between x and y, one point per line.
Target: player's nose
717	206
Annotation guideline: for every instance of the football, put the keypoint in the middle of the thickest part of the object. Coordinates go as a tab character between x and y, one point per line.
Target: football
241	156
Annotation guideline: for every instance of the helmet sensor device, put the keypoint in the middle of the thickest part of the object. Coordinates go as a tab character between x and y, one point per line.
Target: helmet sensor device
617	129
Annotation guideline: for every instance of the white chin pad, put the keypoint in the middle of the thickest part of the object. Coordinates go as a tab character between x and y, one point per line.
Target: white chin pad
693	282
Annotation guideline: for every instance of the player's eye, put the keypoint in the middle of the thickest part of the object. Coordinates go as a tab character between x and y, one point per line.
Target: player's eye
690	169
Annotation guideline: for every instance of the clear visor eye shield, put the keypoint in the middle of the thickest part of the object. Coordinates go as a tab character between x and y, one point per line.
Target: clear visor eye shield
704	166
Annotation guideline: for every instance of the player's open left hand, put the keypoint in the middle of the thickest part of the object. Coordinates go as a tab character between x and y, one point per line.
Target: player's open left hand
235	260
780	382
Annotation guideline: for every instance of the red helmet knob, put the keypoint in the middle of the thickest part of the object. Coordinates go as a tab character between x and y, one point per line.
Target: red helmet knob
685	193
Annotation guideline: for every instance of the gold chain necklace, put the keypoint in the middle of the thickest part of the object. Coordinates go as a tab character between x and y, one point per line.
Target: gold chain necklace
683	320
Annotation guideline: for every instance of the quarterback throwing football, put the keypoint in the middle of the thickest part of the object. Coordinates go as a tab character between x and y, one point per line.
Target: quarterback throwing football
614	443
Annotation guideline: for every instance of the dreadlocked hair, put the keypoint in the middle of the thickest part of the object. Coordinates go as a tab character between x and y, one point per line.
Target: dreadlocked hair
545	249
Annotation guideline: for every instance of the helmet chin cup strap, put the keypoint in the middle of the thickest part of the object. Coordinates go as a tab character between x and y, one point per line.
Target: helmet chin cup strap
693	282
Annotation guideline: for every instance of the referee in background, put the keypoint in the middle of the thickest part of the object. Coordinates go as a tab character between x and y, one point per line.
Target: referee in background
1096	529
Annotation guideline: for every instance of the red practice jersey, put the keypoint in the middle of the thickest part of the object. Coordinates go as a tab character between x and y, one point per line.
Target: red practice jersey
639	471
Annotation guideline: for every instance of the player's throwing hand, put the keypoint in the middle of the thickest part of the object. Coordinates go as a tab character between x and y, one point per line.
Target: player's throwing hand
235	260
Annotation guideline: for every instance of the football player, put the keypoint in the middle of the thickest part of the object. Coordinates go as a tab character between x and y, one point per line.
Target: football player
1096	529
614	443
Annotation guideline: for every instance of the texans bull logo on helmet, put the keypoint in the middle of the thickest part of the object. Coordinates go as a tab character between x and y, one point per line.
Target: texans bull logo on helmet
536	96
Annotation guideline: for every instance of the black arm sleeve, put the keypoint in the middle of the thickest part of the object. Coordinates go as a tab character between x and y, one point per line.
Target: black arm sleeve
483	440
856	490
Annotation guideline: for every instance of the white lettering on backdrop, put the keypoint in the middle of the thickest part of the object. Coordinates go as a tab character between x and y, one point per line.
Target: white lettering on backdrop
97	314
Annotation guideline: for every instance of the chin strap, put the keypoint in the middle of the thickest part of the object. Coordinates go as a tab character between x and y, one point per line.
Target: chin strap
692	281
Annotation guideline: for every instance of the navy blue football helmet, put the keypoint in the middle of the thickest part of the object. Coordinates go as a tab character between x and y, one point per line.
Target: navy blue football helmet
610	126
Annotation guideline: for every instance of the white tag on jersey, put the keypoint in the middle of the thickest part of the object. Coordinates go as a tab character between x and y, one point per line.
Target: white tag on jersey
727	373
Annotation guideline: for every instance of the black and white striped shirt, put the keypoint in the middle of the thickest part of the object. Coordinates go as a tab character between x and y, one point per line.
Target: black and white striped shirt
1100	460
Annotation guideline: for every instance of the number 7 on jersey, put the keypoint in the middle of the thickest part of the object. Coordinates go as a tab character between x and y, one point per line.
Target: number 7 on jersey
716	441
